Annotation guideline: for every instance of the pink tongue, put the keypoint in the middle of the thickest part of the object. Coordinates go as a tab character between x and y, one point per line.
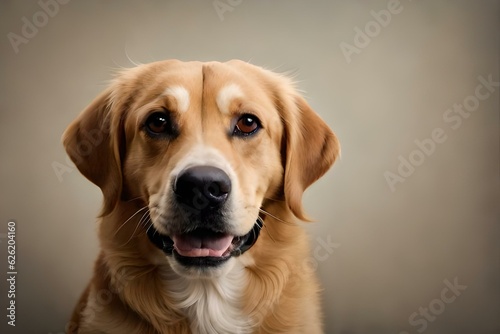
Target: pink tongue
199	246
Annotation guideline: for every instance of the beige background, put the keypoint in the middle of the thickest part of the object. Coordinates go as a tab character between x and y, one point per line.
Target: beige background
393	249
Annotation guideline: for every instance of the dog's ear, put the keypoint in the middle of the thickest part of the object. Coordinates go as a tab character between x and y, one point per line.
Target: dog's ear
310	148
92	142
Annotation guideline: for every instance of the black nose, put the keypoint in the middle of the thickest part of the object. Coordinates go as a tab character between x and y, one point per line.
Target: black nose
202	187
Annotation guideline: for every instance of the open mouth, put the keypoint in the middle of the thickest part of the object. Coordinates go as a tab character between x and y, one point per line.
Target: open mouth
203	246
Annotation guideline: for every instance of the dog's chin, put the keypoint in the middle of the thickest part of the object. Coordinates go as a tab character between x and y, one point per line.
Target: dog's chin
201	270
203	252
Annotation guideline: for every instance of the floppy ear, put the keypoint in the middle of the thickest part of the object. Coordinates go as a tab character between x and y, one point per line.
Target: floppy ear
92	143
310	149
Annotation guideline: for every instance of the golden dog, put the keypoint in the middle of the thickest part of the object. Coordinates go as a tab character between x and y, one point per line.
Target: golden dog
202	167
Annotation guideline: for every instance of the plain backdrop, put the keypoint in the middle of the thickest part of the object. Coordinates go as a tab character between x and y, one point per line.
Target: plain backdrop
385	84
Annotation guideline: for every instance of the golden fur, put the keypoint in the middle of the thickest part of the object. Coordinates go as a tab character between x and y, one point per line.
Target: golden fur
135	288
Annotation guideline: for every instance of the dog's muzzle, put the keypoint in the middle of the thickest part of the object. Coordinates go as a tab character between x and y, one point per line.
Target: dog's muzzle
201	194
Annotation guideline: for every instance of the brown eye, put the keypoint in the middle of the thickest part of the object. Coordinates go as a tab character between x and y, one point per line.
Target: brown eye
158	124
246	125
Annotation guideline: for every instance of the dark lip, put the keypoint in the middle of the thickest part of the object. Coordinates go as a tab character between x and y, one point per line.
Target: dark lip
207	261
243	243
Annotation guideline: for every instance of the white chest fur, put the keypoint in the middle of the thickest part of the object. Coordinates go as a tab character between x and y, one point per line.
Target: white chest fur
213	305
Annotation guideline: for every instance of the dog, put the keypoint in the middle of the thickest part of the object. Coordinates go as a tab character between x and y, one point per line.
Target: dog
202	166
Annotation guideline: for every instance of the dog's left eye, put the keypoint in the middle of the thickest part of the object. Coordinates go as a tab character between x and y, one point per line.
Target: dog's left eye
246	125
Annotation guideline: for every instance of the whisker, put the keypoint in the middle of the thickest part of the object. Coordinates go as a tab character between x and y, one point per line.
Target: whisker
141	221
261	221
274	199
133	199
261	226
274	217
145	217
118	230
150	225
147	223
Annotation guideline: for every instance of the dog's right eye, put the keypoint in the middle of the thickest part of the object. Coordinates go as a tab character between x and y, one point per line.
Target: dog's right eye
158	124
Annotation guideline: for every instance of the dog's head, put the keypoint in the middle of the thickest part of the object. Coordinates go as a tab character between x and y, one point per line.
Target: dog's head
202	146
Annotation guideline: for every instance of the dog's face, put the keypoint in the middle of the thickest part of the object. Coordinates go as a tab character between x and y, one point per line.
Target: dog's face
203	146
194	151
